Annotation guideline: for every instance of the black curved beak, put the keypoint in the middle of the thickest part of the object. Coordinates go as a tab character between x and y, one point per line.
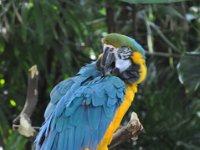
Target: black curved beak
109	63
106	63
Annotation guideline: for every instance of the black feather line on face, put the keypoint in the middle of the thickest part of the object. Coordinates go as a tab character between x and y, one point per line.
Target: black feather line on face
124	53
131	74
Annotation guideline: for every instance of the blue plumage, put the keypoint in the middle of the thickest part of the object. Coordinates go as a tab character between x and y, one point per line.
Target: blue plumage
138	46
80	111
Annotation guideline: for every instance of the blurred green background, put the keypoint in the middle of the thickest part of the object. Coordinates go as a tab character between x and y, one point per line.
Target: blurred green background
60	36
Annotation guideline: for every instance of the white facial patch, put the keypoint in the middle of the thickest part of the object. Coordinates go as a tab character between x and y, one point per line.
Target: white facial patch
122	56
121	64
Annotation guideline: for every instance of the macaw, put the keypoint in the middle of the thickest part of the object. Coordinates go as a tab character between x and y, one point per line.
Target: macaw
85	111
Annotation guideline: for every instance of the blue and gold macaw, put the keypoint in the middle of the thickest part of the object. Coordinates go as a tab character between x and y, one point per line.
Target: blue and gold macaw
85	110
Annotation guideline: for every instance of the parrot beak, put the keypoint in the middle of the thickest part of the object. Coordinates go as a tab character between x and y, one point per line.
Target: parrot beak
109	63
106	63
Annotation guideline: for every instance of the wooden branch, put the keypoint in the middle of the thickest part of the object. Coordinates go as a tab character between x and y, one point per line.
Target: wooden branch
110	16
17	12
22	121
129	131
160	54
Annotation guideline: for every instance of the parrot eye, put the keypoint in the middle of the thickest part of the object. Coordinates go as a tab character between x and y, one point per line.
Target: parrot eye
124	53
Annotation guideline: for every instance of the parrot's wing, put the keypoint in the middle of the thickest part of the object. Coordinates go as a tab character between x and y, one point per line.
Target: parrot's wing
62	88
56	94
82	116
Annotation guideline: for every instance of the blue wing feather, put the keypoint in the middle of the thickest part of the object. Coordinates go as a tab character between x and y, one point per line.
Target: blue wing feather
50	141
70	139
87	137
93	117
61	140
80	111
59	124
56	94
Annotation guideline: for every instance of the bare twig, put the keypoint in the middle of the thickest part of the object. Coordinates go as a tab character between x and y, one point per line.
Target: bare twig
129	131
17	13
35	128
110	16
162	54
166	40
23	122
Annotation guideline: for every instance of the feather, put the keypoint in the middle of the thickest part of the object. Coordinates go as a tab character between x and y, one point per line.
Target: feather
61	141
67	124
109	111
47	126
119	84
94	139
65	133
103	127
53	121
88	100
111	91
49	110
59	90
112	101
40	134
55	143
60	123
50	141
60	108
70	109
55	96
79	135
120	95
66	85
87	137
98	96
77	116
71	139
93	117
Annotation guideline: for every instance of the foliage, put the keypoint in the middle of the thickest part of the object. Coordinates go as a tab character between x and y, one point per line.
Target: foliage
152	1
188	75
62	36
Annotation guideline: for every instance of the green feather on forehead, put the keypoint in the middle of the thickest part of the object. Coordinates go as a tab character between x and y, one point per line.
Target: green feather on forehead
119	40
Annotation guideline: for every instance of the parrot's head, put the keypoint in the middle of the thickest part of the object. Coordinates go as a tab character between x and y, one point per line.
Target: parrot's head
122	57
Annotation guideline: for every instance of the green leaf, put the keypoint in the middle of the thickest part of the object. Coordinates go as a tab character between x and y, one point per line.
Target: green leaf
151	1
189	72
167	10
102	11
2	47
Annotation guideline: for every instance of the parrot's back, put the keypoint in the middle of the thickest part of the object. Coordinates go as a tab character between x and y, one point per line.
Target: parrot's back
80	111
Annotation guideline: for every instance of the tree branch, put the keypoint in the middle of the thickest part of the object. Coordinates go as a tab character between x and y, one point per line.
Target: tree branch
129	131
160	54
110	16
22	121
